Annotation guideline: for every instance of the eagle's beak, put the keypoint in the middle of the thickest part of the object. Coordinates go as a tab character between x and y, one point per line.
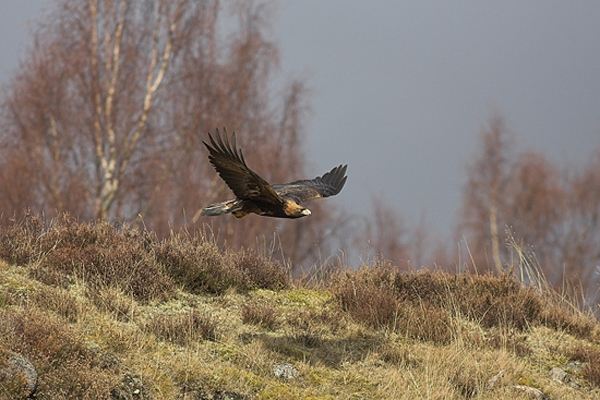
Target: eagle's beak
306	212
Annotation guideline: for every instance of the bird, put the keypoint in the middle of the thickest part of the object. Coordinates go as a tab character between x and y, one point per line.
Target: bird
255	195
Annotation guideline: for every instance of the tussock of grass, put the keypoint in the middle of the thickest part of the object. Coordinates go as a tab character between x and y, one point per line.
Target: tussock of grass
119	314
182	328
260	314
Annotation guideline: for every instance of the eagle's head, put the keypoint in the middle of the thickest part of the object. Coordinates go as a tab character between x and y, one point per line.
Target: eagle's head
294	210
302	212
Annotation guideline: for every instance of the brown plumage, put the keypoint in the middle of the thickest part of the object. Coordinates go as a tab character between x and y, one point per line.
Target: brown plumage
255	195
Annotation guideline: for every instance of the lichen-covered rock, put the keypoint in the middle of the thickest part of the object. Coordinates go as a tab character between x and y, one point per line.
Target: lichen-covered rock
558	375
20	374
532	392
130	388
285	371
229	396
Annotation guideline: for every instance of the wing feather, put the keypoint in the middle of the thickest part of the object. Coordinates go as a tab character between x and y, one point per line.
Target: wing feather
327	185
229	162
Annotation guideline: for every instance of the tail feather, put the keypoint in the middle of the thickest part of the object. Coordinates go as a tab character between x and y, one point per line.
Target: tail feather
218	209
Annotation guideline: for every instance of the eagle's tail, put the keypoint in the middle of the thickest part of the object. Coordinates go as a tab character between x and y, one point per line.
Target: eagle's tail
215	209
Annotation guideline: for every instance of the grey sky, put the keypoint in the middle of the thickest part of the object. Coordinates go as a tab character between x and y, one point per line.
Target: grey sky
400	90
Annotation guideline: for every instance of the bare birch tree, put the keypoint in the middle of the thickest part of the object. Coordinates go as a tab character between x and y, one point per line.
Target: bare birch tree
106	115
581	247
84	98
554	214
485	195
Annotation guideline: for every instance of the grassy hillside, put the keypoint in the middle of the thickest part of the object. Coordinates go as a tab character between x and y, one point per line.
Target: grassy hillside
118	314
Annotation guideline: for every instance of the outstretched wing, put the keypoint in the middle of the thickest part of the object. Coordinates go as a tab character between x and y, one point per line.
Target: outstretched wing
231	166
327	185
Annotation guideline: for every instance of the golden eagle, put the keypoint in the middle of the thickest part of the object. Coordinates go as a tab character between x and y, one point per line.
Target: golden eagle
255	195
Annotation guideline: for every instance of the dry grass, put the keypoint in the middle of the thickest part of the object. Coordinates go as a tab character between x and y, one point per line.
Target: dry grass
208	323
260	314
183	327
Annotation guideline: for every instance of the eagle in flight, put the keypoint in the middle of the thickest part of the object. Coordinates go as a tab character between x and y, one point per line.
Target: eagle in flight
255	195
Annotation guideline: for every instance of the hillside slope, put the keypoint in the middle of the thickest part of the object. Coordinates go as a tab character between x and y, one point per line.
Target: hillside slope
117	314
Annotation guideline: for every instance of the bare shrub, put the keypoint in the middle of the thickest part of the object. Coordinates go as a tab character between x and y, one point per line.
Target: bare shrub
198	264
372	298
422	304
486	299
99	255
368	297
558	314
64	250
499	301
18	239
422	286
261	272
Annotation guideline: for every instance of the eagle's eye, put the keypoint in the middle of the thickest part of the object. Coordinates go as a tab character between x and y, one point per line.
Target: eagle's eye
305	211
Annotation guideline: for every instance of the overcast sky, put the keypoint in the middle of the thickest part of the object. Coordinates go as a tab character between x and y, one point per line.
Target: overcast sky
400	90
